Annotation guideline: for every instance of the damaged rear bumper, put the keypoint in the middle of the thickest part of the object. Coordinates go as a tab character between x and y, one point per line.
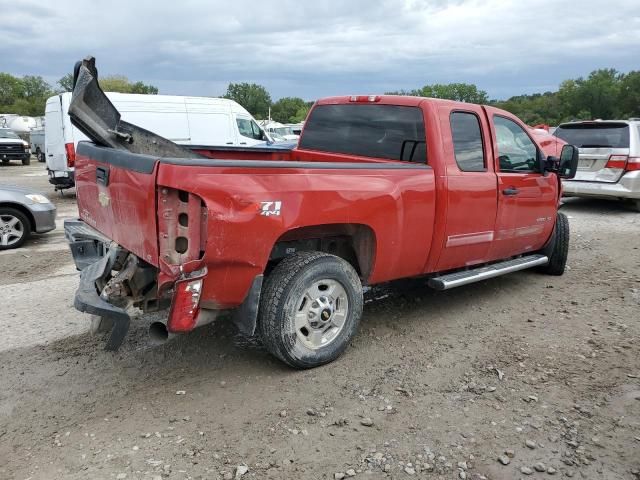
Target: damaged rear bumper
109	274
87	300
95	259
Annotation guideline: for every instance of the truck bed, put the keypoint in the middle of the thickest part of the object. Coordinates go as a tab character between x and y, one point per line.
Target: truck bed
248	206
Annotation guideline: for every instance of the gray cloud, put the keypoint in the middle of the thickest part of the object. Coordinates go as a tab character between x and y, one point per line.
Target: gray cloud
325	47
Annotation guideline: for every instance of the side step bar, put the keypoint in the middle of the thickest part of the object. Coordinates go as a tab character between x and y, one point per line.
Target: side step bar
457	279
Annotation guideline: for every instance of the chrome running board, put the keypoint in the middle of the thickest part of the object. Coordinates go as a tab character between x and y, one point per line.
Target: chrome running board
457	279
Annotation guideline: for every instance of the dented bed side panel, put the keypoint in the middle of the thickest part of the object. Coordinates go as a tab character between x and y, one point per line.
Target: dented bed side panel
248	209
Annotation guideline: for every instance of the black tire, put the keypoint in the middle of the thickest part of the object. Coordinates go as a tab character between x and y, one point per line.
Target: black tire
558	248
635	205
26	161
23	224
40	156
100	325
284	291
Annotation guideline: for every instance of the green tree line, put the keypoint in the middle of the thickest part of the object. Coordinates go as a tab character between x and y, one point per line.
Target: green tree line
256	99
604	93
27	95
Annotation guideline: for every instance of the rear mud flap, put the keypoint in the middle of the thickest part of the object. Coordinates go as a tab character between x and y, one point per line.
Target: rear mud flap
87	300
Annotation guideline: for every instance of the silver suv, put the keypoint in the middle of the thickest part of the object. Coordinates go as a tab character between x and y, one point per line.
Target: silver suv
609	165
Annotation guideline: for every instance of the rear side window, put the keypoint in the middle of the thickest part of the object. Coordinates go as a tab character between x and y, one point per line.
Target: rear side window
595	135
380	131
467	142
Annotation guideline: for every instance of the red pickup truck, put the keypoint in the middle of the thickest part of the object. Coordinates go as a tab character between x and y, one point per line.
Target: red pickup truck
379	188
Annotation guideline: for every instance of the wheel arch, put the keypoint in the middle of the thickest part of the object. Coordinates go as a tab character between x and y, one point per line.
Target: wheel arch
22	209
354	242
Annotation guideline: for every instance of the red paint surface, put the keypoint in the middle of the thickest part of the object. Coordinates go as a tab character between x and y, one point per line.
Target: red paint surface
422	220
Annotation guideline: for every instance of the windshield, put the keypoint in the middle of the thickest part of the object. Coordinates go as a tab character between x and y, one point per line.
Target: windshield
595	135
8	134
283	131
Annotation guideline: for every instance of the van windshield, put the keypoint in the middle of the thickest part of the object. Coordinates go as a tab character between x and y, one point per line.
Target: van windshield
595	135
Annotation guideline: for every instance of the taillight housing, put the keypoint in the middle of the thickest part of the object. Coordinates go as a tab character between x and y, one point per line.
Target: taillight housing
633	164
617	161
185	305
70	150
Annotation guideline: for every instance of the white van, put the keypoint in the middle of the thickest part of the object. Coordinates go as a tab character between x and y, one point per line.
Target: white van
183	120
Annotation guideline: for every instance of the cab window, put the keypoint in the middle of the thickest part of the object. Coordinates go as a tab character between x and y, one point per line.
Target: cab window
370	130
516	151
467	142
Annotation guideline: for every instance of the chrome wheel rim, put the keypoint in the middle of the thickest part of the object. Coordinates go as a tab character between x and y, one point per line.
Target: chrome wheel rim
321	313
11	230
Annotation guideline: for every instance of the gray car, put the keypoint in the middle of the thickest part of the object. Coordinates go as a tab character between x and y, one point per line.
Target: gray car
23	211
609	165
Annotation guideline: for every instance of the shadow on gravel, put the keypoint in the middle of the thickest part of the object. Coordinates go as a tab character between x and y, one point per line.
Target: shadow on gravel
595	205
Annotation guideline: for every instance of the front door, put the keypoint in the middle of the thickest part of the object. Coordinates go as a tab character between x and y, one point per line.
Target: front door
527	199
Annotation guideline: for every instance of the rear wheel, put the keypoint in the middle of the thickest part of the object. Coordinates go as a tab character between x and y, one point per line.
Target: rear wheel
40	155
310	309
558	249
14	228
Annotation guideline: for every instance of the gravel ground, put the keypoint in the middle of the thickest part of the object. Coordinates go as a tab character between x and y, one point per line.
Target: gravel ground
524	376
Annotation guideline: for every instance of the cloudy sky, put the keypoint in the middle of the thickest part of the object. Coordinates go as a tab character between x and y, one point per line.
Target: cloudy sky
316	48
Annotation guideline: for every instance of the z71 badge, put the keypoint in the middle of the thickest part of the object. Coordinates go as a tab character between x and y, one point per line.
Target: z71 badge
269	209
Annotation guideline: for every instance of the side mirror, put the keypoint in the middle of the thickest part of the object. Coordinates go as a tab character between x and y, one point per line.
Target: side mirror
568	161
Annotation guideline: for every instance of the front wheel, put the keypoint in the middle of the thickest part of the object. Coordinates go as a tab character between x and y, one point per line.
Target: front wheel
310	309
558	248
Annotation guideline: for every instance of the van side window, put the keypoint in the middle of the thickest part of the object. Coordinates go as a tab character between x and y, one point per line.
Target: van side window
467	142
248	128
516	151
391	132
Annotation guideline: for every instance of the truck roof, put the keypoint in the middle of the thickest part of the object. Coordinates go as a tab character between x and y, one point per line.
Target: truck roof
405	100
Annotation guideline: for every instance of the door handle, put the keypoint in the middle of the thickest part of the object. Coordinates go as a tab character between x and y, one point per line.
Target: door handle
510	191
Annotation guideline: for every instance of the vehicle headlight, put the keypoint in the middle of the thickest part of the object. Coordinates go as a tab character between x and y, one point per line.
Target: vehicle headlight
36	198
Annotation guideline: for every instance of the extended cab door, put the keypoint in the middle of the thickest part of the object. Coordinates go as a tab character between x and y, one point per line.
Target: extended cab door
470	187
527	199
